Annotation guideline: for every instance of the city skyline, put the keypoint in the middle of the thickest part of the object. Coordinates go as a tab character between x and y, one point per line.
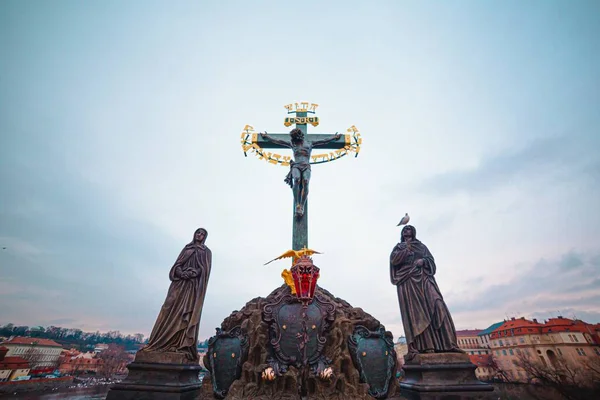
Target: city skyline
120	126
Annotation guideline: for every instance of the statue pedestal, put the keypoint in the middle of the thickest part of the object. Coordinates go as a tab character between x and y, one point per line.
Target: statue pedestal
154	376
439	376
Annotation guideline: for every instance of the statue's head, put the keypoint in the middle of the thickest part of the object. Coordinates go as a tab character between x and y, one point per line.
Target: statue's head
297	135
200	235
408	233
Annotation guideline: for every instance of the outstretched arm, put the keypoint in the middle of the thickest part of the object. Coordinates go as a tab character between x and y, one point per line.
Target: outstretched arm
333	138
276	141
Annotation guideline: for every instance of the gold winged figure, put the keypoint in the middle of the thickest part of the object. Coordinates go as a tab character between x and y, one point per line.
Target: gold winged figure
295	254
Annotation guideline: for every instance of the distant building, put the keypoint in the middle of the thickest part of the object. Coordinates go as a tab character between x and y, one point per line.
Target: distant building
201	354
74	363
100	347
401	349
550	343
485	366
12	367
470	341
484	335
40	353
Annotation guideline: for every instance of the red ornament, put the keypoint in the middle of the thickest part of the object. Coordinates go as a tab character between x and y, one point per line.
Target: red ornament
305	275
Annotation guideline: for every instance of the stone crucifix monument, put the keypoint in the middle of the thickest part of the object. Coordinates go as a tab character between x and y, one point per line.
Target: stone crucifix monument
300	341
302	144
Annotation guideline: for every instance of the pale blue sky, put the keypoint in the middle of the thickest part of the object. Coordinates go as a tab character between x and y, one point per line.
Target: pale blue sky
120	125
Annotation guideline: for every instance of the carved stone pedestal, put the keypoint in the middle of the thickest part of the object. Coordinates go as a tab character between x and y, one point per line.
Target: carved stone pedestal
154	376
442	376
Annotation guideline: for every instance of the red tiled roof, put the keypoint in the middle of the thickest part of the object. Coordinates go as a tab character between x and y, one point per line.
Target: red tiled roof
481	360
522	326
516	327
561	324
468	332
30	341
3	348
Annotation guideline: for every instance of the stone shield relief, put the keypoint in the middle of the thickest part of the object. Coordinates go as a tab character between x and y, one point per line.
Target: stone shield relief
375	359
227	351
297	334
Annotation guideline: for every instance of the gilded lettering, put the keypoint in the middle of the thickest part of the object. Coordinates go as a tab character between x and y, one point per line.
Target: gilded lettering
313	107
289	107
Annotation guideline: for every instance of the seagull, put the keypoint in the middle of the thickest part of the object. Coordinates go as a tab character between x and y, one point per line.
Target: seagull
404	220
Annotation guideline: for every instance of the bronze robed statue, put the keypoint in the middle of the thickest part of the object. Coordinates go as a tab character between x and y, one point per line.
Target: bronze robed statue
168	368
427	323
177	325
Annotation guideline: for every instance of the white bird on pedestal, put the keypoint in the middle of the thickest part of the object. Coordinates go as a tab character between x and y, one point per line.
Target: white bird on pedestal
404	220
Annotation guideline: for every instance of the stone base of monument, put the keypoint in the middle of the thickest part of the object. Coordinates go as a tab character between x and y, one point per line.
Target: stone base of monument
154	376
440	376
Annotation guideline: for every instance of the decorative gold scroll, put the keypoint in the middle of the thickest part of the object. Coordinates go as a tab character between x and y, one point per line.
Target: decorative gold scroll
303	106
249	138
314	121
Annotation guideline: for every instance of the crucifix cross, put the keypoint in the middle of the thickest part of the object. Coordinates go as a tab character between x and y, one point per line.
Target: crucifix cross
302	145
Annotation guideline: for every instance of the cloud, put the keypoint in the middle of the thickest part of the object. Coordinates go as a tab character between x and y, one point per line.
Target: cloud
554	159
564	283
571	260
72	249
62	321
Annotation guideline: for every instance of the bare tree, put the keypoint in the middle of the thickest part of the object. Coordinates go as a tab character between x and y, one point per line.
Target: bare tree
592	368
499	372
572	382
113	360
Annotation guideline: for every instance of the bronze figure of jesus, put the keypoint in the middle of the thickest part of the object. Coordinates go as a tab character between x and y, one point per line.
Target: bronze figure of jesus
299	176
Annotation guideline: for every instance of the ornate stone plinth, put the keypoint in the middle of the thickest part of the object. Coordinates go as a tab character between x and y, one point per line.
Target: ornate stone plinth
154	376
330	322
440	376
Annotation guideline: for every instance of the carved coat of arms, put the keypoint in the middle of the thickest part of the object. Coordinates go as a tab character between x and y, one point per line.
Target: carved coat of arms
374	357
297	333
227	351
